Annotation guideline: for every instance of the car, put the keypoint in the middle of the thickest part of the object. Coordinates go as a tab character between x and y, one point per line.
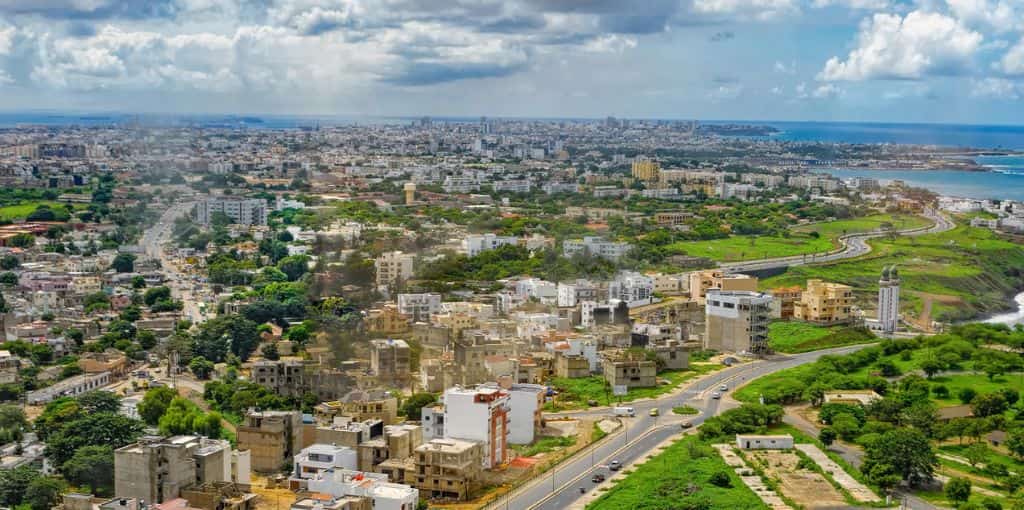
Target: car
716	395
686	425
615	465
598	478
723	388
654	412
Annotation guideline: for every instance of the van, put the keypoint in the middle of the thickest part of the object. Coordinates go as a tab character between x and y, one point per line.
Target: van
624	411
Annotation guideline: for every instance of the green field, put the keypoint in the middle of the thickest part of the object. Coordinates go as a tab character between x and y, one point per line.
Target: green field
738	248
965	272
834	229
678	478
795	337
544	445
20	211
575	393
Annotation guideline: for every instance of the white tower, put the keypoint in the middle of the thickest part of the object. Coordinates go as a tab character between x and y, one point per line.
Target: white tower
889	300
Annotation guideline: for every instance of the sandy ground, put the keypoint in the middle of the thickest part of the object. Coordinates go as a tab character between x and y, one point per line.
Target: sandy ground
806	488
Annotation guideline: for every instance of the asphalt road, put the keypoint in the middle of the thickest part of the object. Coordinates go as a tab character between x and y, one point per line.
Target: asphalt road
560	487
854	245
181	284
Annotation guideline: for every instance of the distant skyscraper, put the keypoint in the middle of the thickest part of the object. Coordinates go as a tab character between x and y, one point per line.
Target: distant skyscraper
889	300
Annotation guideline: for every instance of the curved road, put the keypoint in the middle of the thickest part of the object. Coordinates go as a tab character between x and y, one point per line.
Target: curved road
853	245
559	488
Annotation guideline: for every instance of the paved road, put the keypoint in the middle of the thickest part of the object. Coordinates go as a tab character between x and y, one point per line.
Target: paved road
559	488
182	286
853	245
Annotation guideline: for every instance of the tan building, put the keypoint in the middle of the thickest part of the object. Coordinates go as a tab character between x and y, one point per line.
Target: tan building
631	371
672	218
111	360
646	170
272	438
737	321
824	303
393	268
361	406
446	468
571	367
159	469
787	298
386	320
703	281
389	360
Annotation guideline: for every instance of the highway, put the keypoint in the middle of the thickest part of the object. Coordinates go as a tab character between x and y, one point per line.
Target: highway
182	286
853	245
559	488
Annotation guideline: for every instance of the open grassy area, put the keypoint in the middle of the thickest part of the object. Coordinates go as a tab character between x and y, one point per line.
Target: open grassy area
977	382
544	445
965	273
834	229
678	478
20	211
738	248
685	410
575	393
795	336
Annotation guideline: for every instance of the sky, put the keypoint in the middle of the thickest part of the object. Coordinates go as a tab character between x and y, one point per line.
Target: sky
955	61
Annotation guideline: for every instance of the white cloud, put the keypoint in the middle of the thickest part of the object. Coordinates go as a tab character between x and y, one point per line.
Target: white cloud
743	9
781	67
823	91
871	5
613	43
998	15
725	92
1012	62
6	40
996	88
893	47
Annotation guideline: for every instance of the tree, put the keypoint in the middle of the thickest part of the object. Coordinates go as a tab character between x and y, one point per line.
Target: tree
976	454
14	483
138	282
201	367
988	404
99	401
154	404
228	333
12	417
294	266
958	490
414	404
907	452
43	493
827	436
931	366
93	466
966	395
1015	442
123	263
92	429
940	391
270	352
846	426
720	479
155	294
23	240
9	278
9	262
146	338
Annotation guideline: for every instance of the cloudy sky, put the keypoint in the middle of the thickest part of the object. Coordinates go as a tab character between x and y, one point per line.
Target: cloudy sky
885	60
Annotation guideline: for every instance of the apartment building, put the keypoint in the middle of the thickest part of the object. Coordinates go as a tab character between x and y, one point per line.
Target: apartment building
595	247
629	371
479	414
361	405
375	487
646	170
272	437
157	469
419	307
393	268
632	288
475	244
703	281
239	210
824	303
317	458
737	321
389	360
525	402
447	468
787	298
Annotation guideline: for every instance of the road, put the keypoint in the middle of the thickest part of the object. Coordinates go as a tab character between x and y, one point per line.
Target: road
853	245
560	487
183	286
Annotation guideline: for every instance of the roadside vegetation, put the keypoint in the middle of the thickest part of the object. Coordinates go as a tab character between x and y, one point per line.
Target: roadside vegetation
794	336
581	392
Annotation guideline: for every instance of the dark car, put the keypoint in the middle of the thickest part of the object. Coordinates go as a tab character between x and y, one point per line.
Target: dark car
598	478
686	425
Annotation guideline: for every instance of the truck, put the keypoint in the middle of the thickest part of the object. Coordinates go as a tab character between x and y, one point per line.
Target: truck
624	411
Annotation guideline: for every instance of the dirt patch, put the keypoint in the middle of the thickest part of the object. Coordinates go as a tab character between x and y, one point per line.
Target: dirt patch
806	488
942	299
561	428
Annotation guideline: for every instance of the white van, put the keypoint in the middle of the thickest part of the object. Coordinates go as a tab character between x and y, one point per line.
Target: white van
624	411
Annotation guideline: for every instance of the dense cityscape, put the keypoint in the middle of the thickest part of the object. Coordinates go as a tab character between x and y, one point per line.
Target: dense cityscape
500	313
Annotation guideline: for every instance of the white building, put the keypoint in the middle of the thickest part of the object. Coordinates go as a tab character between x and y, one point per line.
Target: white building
569	294
479	414
419	306
240	210
632	287
596	247
317	458
524	417
375	486
393	267
534	288
476	244
889	300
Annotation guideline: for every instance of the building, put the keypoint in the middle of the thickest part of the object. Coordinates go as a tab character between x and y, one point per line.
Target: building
629	372
824	303
737	321
646	170
446	469
703	281
239	210
419	307
69	387
479	414
476	244
631	287
157	469
410	192
383	495
595	247
389	360
889	300
324	502
360	406
393	268
386	320
524	417
273	438
787	297
762	442
317	458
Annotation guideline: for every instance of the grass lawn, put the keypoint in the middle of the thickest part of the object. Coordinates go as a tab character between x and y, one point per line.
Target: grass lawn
575	393
966	272
834	229
544	445
20	211
685	410
794	336
738	248
665	481
978	382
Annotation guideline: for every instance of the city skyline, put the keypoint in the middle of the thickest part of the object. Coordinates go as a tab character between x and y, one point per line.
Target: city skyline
935	62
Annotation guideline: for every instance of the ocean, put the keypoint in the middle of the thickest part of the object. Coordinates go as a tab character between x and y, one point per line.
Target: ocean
951	135
1003	184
